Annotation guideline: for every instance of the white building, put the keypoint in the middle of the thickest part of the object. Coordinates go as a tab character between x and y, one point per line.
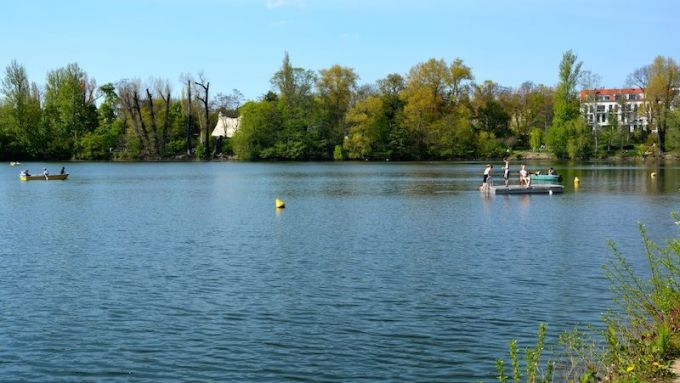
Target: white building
628	106
226	126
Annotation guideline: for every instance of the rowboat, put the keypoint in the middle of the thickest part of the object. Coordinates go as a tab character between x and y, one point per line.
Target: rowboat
51	177
546	178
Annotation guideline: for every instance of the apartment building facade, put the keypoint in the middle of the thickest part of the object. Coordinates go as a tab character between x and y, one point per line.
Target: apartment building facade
627	105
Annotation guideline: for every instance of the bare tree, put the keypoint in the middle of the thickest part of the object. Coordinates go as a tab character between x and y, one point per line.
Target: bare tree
189	116
205	85
228	104
128	91
137	107
154	125
163	89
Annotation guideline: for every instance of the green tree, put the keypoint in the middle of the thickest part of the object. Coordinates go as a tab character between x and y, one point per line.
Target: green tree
673	135
662	93
566	106
459	79
256	135
22	104
394	141
336	86
69	109
366	119
490	115
298	136
535	138
100	143
579	144
433	104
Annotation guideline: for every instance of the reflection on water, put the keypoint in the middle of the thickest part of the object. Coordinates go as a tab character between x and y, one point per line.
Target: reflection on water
372	272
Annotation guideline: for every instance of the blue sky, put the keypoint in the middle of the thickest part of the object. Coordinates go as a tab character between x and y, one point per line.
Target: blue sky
239	44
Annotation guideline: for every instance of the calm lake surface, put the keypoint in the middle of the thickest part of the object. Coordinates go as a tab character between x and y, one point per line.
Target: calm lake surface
400	272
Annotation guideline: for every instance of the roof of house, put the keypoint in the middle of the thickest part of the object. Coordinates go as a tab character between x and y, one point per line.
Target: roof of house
609	92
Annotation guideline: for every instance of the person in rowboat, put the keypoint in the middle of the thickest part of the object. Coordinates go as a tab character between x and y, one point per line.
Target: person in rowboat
46	173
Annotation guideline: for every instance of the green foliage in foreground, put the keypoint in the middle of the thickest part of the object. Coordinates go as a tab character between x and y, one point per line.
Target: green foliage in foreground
642	336
535	373
645	334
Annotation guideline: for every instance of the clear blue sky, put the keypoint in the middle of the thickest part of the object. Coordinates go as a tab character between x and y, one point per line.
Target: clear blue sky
239	44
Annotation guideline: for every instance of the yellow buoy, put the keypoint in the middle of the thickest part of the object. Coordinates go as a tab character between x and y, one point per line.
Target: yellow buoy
576	181
279	203
653	174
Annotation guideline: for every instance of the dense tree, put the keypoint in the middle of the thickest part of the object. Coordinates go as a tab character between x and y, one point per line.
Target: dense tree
299	134
256	137
425	99
490	115
100	143
336	86
70	110
566	107
22	107
367	120
436	111
530	108
662	93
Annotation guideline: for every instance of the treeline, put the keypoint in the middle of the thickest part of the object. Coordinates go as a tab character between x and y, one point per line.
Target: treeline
436	111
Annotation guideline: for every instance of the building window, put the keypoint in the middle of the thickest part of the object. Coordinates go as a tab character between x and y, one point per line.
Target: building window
632	96
600	108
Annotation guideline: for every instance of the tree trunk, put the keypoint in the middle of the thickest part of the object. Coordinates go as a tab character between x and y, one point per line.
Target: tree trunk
189	147
145	133
166	121
127	105
154	128
206	143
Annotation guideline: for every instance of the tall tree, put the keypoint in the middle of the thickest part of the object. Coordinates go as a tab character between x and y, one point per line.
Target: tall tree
128	91
299	135
662	92
204	86
23	103
460	78
70	110
164	91
424	98
566	106
336	86
189	118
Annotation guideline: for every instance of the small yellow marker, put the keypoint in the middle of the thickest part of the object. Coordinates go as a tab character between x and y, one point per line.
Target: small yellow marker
653	174
279	203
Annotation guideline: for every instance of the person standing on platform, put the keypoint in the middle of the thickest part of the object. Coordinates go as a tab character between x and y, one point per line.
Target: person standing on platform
506	172
486	181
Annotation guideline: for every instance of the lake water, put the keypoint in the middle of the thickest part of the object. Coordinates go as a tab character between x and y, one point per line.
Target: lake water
399	272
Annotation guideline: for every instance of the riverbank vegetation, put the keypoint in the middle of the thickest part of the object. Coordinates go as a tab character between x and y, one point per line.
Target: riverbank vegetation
642	335
436	111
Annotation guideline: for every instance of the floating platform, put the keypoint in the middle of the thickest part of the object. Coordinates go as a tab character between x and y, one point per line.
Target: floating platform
533	189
